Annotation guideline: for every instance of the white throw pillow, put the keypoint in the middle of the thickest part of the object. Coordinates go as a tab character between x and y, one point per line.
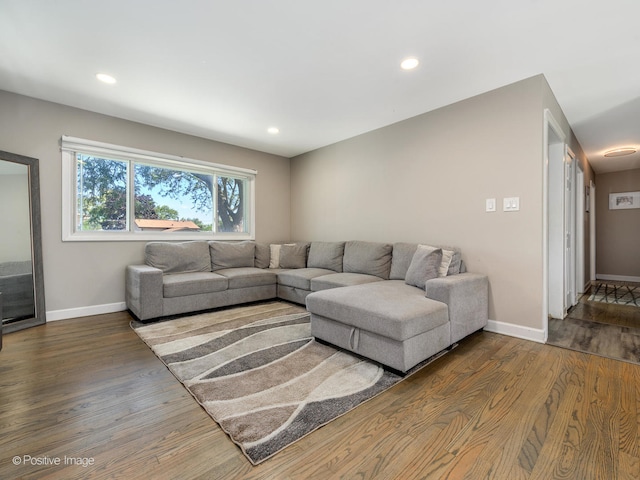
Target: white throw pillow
274	260
447	256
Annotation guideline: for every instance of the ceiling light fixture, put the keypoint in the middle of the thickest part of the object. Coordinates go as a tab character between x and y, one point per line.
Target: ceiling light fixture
620	152
409	63
103	77
273	130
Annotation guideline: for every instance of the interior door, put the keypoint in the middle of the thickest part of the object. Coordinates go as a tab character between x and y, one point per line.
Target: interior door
569	230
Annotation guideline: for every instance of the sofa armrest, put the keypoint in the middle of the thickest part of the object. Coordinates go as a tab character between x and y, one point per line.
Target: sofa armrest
144	291
467	296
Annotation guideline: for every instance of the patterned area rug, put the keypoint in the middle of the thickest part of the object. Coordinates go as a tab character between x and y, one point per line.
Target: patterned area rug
260	374
618	294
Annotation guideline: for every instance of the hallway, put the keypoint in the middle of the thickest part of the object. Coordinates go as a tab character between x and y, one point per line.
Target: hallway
604	329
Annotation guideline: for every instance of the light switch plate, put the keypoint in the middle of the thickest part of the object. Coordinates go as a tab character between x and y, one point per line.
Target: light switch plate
511	204
490	205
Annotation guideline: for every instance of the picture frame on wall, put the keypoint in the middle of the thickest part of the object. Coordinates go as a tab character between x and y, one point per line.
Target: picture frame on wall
624	200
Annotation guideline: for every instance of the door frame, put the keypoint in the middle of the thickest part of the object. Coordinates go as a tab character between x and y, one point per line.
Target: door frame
553	220
580	220
570	229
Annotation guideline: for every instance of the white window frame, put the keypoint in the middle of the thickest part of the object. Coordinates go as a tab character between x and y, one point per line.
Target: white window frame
70	146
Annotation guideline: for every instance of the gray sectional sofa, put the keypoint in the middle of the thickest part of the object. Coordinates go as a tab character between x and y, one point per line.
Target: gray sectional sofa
397	304
16	286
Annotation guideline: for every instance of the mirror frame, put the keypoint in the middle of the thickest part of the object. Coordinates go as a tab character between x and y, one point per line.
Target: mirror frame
36	243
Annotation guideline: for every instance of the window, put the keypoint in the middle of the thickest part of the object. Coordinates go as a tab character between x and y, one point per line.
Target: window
117	193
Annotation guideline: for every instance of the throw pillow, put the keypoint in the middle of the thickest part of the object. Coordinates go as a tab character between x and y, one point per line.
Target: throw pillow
447	256
262	255
424	266
274	259
294	256
451	258
274	254
456	262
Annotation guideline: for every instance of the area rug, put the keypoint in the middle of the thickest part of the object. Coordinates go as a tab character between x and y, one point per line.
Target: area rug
261	376
618	294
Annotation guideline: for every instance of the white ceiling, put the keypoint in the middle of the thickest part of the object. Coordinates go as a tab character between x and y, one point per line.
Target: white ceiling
323	71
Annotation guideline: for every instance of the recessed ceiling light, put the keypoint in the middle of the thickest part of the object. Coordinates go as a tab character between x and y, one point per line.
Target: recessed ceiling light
620	152
273	130
409	63
103	77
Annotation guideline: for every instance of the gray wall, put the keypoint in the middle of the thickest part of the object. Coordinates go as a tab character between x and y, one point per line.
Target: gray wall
426	180
89	274
617	231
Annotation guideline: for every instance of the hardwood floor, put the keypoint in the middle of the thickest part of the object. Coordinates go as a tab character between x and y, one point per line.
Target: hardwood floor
495	407
603	329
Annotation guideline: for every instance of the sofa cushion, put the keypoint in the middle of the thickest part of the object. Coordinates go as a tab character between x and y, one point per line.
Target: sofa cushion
392	309
401	259
178	257
232	255
248	277
274	254
344	279
294	255
424	266
451	258
263	255
403	254
192	283
370	258
326	255
300	277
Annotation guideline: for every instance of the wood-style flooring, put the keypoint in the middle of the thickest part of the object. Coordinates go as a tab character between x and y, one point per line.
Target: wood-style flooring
605	329
495	407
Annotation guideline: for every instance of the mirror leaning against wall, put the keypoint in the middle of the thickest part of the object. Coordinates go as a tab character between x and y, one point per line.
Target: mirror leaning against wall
21	280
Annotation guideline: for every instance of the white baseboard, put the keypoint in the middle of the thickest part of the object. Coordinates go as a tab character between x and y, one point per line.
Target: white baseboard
618	278
518	331
54	315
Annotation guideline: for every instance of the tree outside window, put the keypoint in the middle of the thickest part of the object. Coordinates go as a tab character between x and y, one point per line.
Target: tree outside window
176	199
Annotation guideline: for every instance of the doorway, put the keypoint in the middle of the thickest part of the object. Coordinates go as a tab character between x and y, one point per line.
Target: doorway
575	285
554	213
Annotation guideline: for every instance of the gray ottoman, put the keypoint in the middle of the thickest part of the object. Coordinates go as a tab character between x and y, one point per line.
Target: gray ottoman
390	322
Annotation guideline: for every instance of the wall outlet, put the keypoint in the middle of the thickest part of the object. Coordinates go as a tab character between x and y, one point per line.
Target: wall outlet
511	204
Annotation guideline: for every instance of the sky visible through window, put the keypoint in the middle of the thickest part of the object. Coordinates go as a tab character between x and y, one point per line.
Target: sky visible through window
184	206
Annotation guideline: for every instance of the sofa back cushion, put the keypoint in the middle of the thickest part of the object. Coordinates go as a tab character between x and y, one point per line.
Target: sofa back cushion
178	257
326	255
232	255
371	258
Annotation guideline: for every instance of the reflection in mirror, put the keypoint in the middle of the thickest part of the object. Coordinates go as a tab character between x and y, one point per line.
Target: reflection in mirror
21	283
16	273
